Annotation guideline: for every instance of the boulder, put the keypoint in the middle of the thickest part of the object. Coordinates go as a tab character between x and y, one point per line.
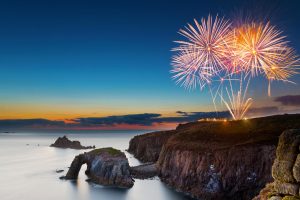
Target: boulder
286	188
64	142
296	169
286	169
286	154
105	166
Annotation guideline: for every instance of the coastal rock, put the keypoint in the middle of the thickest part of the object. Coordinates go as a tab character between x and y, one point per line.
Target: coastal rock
105	166
296	169
147	147
216	159
64	142
286	188
286	154
285	169
144	171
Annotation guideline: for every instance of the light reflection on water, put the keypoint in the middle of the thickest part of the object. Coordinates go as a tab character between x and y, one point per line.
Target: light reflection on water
28	172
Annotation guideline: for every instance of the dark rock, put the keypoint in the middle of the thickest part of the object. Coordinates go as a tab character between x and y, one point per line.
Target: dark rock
147	147
216	160
106	166
59	170
144	171
64	142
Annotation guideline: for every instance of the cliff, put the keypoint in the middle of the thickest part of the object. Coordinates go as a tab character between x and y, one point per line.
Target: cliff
218	159
147	147
105	166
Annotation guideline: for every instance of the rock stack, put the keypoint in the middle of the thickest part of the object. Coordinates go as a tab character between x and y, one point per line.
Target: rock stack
64	142
285	170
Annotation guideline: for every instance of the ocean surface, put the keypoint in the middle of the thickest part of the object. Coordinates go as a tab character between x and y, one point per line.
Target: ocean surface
28	169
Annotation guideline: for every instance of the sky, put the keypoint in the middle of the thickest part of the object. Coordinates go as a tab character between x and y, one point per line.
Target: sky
106	64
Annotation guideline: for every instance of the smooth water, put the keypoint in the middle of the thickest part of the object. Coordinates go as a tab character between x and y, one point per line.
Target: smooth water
28	169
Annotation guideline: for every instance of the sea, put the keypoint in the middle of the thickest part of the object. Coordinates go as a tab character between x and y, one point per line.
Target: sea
28	168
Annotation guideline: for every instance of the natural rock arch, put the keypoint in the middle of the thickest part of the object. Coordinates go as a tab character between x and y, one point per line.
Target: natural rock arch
106	166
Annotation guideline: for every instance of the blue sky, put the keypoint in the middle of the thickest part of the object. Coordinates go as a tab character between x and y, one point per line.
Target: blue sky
90	58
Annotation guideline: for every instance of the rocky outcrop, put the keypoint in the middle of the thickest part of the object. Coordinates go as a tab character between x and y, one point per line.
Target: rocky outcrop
144	171
285	169
147	147
223	160
216	159
105	166
64	142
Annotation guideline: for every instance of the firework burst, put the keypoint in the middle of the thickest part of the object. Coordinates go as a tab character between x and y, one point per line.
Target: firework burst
215	53
208	40
259	47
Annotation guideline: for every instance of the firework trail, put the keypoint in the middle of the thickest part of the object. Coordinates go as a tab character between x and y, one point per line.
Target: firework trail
215	53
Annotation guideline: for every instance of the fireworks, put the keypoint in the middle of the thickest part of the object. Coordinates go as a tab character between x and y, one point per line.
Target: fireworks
206	46
215	52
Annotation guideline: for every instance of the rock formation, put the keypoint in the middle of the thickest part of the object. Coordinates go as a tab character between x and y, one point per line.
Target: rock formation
144	171
285	170
217	160
64	142
105	166
147	147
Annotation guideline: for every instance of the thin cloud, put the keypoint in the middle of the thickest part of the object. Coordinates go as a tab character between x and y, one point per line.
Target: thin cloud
288	100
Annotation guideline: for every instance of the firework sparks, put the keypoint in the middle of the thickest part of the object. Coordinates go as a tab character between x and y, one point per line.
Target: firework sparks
238	104
260	47
208	41
215	52
189	72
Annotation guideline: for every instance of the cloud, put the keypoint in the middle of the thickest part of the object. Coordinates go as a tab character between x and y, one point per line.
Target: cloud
139	120
289	100
24	123
263	111
145	119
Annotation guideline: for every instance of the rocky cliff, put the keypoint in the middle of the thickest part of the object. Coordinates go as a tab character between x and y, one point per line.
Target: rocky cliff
285	170
147	147
105	166
219	159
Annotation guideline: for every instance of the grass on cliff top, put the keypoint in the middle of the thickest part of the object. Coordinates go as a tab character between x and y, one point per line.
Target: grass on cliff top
219	134
109	150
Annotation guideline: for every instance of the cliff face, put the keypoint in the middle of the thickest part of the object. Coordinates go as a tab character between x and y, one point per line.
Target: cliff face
223	160
235	172
218	160
147	147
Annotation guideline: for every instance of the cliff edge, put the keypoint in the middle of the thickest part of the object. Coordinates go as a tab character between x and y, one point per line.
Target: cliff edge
218	159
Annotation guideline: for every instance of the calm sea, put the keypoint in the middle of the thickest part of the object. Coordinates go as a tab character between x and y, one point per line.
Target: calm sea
28	169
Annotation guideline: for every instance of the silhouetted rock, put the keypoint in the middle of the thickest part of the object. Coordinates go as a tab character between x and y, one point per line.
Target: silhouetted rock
64	142
105	166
